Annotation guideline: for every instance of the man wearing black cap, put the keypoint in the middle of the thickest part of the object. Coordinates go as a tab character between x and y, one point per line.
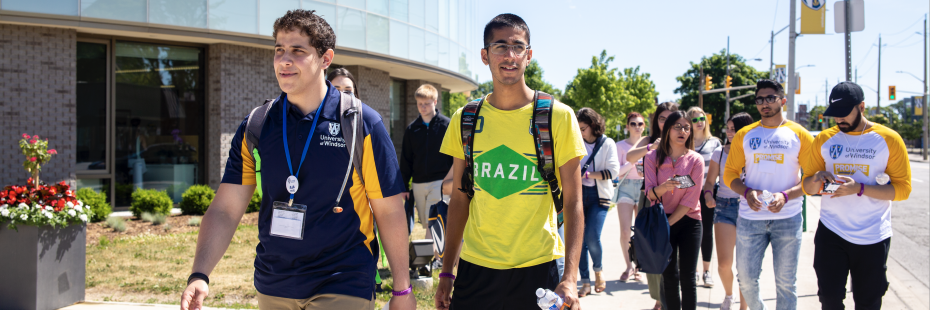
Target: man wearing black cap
861	167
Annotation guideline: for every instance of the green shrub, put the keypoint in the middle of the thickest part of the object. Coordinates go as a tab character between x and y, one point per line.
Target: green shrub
194	221
196	199
116	223
159	219
150	200
146	217
97	202
255	203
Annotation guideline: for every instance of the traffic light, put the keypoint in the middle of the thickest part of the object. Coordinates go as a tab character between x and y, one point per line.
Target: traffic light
891	94
820	118
729	81
708	82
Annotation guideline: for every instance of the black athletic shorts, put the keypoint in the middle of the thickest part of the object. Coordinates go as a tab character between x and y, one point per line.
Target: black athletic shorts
477	287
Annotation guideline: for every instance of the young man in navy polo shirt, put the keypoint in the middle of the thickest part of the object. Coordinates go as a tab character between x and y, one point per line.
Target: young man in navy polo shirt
310	255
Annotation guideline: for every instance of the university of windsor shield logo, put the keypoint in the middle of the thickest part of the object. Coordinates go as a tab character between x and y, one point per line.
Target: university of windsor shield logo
754	143
835	151
333	129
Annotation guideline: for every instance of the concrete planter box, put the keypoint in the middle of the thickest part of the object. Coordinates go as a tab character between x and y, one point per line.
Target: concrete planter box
42	267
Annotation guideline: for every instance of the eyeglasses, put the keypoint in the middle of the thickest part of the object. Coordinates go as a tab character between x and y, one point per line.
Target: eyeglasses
766	99
584	128
662	119
681	127
503	48
635	124
698	119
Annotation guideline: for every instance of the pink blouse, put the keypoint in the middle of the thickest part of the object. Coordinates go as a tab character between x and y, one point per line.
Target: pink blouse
691	164
622	149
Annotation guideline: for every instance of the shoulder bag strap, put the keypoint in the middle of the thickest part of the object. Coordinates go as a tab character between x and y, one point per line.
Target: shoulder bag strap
468	121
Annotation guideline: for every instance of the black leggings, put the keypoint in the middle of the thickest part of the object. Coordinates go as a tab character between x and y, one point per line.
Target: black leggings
707	241
685	237
835	259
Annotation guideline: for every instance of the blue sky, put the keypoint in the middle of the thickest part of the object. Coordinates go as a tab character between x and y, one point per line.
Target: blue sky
662	37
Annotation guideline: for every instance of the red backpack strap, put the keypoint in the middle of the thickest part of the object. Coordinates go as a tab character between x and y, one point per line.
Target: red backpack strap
467	124
542	135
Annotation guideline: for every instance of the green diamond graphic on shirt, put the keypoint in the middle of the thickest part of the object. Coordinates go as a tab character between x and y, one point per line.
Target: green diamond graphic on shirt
501	172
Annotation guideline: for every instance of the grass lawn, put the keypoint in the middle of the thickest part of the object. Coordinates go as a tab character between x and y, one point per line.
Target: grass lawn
152	267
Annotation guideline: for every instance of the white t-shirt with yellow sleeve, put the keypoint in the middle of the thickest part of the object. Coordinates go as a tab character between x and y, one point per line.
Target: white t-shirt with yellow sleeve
512	221
861	156
771	156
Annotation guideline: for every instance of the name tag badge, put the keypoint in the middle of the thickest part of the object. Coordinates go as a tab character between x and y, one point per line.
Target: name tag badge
768	166
288	221
292	184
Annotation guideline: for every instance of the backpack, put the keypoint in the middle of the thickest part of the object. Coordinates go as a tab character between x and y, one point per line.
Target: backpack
653	249
542	138
437	225
350	111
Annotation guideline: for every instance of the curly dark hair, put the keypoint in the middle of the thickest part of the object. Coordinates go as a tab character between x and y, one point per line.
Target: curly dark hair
321	34
592	119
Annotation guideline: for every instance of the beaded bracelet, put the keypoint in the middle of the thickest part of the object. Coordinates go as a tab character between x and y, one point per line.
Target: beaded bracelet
447	275
404	292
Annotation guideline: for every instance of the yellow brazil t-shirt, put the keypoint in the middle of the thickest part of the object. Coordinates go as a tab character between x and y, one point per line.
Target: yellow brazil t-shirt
511	220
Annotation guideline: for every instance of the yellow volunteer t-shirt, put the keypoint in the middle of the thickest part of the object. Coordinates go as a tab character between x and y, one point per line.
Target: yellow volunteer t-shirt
511	221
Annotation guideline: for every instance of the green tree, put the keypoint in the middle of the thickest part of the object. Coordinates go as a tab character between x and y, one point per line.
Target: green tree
611	92
483	89
453	102
533	75
715	104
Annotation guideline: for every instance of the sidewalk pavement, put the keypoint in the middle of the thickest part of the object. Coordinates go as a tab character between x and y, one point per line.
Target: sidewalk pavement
904	291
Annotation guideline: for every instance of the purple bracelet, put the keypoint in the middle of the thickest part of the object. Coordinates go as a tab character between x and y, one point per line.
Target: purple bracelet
786	196
447	275
746	192
404	292
861	189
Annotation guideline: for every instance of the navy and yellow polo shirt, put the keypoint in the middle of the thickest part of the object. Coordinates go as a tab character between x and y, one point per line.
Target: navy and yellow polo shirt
335	255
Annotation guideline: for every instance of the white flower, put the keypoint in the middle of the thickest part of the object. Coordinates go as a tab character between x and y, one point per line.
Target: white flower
4	212
4	206
83	217
49	208
24	217
80	203
48	214
87	207
71	213
22	206
70	205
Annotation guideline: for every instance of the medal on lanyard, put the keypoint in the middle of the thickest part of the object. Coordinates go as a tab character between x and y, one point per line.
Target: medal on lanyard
291	184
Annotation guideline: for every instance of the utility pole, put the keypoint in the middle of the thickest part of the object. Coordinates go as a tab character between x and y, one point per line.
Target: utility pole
848	43
857	75
771	56
925	90
826	100
791	82
726	115
701	88
878	90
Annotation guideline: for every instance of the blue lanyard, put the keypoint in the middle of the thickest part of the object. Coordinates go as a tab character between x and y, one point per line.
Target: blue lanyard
287	153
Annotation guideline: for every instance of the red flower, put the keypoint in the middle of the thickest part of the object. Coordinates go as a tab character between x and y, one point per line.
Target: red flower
32	159
52	151
36	137
25	136
52	191
33	141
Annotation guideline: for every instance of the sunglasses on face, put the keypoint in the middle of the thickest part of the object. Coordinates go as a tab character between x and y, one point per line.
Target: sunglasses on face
503	48
767	99
699	119
681	127
635	124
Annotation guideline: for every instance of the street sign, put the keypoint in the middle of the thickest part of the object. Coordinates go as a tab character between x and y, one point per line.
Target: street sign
781	74
813	17
856	16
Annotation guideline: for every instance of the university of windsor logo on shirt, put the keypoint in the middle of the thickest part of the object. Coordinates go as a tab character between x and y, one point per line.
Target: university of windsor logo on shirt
836	150
334	129
754	143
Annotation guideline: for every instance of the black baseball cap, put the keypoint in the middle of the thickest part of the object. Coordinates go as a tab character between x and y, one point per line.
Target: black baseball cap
843	98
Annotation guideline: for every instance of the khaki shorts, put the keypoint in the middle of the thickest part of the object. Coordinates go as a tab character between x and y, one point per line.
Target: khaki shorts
323	301
426	195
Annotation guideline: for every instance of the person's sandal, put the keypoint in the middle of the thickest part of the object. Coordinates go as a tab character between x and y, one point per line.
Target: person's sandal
599	284
625	276
658	306
585	290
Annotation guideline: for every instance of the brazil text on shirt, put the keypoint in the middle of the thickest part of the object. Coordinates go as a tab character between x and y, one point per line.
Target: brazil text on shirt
511	220
861	156
771	158
335	255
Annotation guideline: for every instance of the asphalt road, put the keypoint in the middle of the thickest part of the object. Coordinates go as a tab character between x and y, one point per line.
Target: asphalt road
910	220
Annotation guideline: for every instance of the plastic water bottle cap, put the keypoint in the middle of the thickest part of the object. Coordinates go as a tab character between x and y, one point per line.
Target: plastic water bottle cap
540	292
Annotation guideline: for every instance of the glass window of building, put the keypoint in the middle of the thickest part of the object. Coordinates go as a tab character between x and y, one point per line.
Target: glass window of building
378	7
399	10
417	47
400	43
432	49
432	15
444	57
91	109
443	17
324	10
378	34
57	7
358	4
272	10
351	29
159	120
417	9
185	13
454	20
234	15
128	10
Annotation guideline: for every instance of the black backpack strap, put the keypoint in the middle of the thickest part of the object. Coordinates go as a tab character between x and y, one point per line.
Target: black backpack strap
256	122
597	147
467	124
353	133
545	148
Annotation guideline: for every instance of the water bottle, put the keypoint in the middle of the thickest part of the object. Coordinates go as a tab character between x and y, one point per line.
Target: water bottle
548	300
767	198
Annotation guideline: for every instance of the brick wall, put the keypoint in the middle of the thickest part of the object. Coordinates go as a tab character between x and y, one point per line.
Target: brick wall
374	90
37	96
239	79
411	102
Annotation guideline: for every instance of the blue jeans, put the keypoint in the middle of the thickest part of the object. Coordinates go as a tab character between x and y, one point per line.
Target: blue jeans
594	215
752	239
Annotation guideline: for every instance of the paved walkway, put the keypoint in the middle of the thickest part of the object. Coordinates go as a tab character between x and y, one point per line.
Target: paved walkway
903	293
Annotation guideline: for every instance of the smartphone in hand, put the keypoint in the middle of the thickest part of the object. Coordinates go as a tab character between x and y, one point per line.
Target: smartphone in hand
685	181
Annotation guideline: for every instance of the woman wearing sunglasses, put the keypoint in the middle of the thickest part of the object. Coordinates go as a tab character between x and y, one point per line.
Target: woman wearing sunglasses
630	189
705	144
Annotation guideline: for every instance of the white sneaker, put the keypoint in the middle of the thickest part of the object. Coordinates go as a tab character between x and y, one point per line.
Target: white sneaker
708	279
727	302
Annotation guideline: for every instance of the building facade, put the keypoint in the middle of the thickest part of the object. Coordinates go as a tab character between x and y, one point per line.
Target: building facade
149	93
